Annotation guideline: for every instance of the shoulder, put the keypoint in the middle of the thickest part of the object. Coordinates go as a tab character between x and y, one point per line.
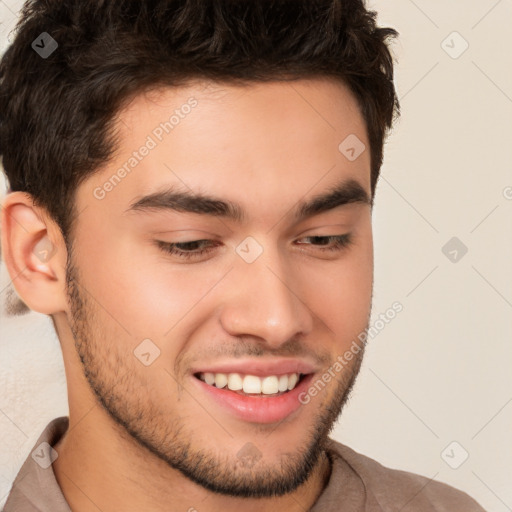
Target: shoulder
409	491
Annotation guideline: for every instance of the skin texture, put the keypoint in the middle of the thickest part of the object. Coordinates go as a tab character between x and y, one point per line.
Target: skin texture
147	437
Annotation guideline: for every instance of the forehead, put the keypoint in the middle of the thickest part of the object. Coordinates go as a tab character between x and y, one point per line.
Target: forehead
325	98
267	142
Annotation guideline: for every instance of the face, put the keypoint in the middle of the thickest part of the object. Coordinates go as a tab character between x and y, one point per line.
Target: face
215	282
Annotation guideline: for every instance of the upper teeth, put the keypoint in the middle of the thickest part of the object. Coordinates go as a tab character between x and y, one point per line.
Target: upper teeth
251	383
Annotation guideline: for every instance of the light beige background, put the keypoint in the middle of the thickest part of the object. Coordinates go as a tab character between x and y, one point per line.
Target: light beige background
436	384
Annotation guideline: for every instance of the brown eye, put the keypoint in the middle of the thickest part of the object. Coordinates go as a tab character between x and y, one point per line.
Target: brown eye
187	250
330	243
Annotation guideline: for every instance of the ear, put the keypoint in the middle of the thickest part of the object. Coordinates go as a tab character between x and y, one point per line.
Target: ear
35	254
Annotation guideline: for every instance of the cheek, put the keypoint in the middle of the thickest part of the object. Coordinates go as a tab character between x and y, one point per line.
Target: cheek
141	292
340	292
155	299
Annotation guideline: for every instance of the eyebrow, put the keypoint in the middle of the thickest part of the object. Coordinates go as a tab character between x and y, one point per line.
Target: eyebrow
174	199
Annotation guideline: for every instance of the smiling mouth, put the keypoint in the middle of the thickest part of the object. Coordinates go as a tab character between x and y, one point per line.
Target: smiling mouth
252	385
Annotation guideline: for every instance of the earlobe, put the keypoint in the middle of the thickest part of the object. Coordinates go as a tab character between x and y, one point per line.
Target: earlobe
35	262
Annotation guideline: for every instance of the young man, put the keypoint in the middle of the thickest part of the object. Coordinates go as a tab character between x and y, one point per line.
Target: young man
190	195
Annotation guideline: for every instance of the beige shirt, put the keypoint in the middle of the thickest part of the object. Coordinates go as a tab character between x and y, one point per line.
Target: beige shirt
357	484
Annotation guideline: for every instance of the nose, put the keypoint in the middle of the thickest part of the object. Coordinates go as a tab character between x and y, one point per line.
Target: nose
265	302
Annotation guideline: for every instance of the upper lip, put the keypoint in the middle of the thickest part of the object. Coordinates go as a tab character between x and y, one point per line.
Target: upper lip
258	367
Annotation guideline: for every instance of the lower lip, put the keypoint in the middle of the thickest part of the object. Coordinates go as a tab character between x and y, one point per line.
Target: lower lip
258	409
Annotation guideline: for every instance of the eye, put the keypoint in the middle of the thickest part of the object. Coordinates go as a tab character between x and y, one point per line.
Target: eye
330	243
197	248
187	250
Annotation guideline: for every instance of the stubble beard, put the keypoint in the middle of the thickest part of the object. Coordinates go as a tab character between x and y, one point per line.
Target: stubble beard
125	395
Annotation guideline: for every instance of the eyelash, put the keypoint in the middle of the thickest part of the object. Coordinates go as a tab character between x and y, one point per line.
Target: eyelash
340	242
